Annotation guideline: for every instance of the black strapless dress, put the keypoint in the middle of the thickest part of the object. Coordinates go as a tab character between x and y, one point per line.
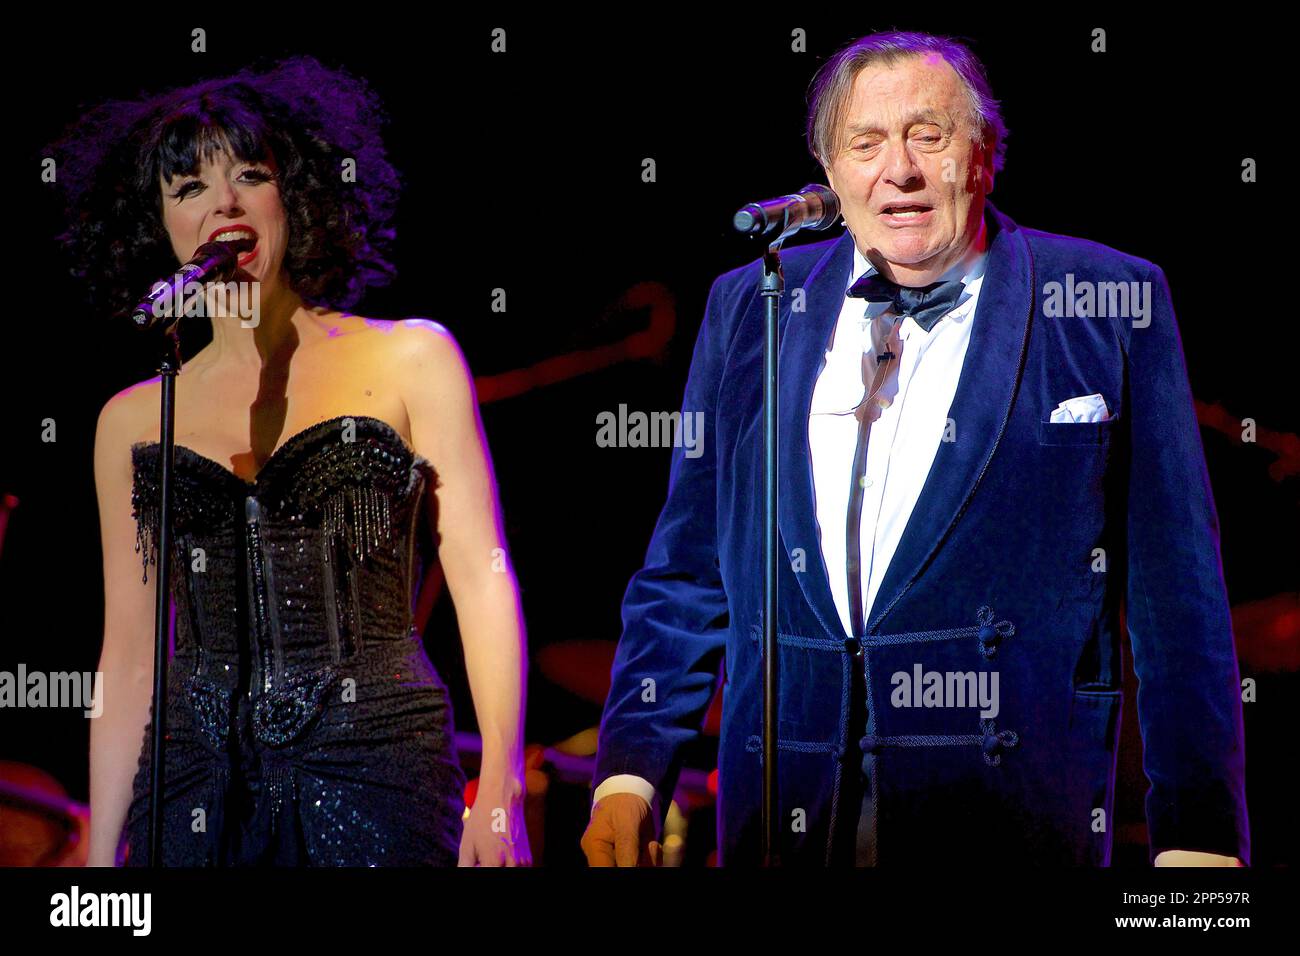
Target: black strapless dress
305	723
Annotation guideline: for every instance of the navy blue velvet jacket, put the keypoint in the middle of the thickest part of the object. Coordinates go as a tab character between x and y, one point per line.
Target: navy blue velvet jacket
998	569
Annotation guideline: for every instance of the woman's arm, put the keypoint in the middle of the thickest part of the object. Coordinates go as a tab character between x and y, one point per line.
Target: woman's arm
126	662
438	392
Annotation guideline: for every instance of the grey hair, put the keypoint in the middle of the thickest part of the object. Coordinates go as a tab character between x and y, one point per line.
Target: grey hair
829	92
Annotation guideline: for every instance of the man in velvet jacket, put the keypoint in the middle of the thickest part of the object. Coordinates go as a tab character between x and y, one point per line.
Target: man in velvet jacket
1070	479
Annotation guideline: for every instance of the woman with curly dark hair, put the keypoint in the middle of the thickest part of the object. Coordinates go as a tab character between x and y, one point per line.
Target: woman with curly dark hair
305	723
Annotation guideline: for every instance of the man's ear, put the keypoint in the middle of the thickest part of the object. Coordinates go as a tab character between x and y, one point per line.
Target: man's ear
981	170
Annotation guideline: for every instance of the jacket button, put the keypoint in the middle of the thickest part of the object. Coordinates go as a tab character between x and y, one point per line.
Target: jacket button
989	636
853	646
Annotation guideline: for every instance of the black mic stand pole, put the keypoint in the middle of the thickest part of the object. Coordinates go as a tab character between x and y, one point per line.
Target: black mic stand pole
169	364
772	289
757	219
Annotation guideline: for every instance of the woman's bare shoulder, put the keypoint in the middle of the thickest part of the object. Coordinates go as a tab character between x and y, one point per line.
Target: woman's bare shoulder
419	330
123	420
431	372
124	417
423	345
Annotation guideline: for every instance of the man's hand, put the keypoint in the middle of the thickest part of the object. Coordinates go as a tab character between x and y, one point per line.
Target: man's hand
621	833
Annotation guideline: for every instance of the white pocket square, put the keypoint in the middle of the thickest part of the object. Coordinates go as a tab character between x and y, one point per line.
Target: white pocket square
1082	408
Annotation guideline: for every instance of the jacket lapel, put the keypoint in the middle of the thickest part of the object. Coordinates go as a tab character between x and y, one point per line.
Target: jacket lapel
804	336
980	409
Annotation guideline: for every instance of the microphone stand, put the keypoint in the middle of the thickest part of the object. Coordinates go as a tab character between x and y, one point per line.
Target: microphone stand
169	364
773	286
785	219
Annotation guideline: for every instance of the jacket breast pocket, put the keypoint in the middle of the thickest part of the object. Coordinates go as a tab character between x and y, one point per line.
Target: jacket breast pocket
1076	433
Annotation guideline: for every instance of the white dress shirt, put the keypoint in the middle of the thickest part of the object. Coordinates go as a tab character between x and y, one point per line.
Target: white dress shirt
900	452
905	438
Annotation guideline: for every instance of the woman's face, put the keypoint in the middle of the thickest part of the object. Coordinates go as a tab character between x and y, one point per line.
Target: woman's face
230	198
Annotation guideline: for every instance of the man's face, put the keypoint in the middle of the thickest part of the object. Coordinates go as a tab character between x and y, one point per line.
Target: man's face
907	145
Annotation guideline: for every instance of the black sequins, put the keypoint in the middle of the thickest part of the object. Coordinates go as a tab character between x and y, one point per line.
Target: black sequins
287	709
211	704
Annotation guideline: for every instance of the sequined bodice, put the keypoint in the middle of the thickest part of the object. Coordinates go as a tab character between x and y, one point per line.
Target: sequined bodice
280	580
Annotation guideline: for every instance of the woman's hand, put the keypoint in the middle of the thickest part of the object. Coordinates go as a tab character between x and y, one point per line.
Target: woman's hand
496	833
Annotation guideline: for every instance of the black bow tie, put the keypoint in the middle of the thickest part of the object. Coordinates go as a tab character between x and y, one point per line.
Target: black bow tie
926	305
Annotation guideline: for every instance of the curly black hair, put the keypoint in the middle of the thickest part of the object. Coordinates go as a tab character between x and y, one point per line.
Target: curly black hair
305	117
